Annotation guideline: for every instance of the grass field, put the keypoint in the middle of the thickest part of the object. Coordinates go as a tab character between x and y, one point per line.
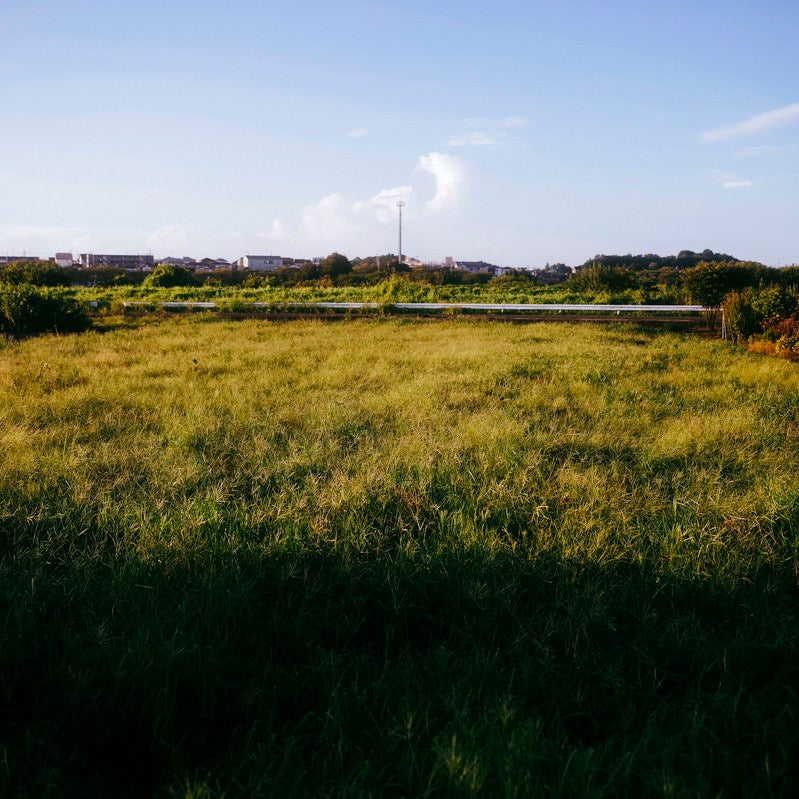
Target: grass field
397	558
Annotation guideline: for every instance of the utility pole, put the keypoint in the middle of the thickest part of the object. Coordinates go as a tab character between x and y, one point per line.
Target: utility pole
400	205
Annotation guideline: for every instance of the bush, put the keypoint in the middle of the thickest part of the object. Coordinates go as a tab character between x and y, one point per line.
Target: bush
740	316
28	311
169	276
754	311
35	273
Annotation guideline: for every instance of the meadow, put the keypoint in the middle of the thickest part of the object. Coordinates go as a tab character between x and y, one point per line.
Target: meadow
388	557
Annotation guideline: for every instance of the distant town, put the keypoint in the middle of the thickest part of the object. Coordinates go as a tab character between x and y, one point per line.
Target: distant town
611	272
270	263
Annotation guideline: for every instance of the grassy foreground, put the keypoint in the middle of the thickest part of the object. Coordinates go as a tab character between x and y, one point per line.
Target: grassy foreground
392	558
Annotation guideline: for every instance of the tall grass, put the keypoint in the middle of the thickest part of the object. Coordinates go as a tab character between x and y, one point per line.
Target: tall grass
397	558
387	291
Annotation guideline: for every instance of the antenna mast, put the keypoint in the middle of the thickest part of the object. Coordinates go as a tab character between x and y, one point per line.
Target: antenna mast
400	205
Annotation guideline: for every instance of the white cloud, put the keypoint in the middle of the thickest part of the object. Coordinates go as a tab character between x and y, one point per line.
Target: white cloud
276	232
358	133
476	139
334	217
331	217
486	132
449	175
383	205
168	238
760	123
728	180
495	122
43	241
337	222
763	149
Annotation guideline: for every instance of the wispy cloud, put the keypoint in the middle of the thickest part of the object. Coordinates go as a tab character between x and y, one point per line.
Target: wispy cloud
495	122
449	174
168	238
276	232
45	240
486	132
750	152
476	139
760	123
729	181
330	218
358	133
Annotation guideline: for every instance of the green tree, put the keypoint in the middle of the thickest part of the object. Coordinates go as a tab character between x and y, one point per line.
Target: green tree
169	276
599	278
709	283
335	265
35	273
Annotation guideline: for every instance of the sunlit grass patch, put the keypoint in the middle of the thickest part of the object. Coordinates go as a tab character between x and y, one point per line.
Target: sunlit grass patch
397	557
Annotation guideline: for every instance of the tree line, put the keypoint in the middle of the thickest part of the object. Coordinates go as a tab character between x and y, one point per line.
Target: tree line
755	300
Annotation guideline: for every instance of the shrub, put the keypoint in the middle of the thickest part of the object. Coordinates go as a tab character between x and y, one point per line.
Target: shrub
785	334
169	276
754	311
740	316
599	279
28	311
34	273
774	304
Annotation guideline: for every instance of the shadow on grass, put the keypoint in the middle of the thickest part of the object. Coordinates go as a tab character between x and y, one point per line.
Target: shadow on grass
331	674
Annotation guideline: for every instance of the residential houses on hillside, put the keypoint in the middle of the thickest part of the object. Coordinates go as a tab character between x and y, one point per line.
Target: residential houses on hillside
265	263
132	262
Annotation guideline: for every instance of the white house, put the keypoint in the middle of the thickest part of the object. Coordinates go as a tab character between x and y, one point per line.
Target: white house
260	263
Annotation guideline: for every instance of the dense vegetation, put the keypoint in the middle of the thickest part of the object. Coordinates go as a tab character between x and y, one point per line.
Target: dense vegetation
758	306
397	558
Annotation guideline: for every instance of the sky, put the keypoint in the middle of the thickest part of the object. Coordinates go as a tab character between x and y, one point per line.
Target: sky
519	133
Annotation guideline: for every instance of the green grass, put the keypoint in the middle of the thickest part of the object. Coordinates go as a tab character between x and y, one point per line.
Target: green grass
393	558
387	291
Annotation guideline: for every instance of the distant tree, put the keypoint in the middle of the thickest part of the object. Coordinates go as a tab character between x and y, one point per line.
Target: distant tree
334	265
35	273
599	278
708	283
516	278
169	276
787	276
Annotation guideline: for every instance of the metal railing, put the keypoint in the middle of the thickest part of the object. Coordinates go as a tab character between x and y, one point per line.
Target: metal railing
432	306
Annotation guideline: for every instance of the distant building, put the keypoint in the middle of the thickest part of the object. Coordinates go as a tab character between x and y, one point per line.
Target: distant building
132	262
476	267
260	263
64	259
188	263
7	259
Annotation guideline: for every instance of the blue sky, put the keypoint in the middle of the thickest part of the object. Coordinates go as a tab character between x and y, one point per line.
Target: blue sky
518	132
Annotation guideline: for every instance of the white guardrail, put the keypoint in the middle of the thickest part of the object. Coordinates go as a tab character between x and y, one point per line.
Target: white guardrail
434	306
